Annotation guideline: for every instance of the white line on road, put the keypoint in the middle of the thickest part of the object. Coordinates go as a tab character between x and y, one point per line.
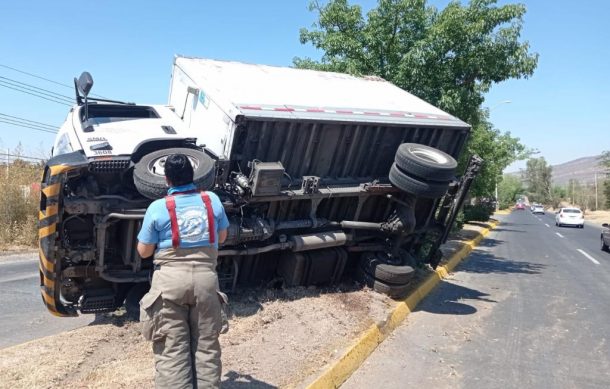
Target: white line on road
559	235
547	225
595	261
26	276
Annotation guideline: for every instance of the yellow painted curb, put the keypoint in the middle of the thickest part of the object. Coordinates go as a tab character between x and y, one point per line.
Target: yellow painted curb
503	212
339	371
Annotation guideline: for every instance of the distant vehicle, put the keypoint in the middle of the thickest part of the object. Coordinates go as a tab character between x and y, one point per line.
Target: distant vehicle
538	209
605	237
570	217
520	206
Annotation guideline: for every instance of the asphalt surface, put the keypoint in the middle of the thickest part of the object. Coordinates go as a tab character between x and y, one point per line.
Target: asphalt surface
530	308
24	316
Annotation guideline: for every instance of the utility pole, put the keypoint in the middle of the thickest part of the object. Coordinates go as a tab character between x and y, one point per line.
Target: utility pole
8	152
596	191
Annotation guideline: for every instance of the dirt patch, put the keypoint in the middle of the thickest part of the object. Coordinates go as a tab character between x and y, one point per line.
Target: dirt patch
277	337
598	216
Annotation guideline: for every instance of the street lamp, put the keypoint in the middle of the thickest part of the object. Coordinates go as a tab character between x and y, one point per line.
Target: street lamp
499	104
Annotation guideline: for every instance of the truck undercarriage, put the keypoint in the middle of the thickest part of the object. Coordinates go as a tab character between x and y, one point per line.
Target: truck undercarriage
303	219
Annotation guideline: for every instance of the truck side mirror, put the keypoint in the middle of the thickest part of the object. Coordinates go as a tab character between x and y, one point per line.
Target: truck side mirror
85	83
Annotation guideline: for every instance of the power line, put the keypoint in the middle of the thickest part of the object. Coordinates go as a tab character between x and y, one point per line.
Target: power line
36	95
24	125
36	89
30	121
18	156
45	79
35	76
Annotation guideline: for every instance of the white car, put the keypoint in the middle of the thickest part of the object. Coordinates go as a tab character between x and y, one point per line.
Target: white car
538	209
570	217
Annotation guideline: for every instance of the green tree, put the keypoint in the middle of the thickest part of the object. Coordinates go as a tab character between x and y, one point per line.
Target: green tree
538	177
449	57
509	190
558	194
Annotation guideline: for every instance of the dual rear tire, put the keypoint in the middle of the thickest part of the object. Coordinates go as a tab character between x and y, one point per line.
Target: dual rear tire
422	170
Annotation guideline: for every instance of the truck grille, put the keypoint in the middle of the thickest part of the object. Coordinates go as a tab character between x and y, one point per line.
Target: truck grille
111	166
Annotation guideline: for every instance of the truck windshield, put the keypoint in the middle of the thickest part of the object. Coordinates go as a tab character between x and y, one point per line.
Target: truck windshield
118	112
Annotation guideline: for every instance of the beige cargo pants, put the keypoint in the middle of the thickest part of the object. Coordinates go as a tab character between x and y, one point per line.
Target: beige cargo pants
181	315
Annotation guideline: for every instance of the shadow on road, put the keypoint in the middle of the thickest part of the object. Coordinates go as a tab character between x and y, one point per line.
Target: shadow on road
483	262
500	229
235	380
448	300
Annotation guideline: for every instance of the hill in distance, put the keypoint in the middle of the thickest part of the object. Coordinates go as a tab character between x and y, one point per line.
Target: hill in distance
581	169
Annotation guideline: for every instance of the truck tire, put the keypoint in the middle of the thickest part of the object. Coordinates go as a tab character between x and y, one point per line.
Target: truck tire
604	245
416	186
394	291
425	162
376	265
149	176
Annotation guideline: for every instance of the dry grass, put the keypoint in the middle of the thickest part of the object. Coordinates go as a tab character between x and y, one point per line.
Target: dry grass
19	205
598	216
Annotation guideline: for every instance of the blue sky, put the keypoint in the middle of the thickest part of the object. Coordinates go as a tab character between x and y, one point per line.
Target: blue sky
128	46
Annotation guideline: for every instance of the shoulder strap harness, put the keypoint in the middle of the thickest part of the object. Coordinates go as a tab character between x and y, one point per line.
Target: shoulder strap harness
170	203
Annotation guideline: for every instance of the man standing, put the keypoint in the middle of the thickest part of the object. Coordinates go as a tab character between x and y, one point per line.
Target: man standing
181	314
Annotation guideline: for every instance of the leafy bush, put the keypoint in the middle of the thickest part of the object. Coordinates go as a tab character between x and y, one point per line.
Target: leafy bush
479	212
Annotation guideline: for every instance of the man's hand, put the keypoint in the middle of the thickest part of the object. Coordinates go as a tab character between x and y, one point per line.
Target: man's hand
146	250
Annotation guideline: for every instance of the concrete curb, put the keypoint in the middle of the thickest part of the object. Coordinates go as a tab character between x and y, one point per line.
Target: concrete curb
339	371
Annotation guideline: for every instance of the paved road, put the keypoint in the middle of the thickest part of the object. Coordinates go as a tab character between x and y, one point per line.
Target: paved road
23	316
530	308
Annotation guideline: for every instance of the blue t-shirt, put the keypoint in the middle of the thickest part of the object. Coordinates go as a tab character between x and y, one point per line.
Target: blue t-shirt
192	220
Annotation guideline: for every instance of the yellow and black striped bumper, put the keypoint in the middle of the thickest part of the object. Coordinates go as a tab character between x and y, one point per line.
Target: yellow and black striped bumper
47	240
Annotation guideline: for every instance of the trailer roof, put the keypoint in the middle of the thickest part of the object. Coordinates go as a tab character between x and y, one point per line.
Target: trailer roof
282	92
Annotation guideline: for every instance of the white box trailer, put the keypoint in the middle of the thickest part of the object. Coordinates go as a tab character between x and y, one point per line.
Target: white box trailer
216	95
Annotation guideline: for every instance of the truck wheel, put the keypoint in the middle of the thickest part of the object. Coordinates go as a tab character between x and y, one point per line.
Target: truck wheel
149	174
604	245
378	266
416	186
425	162
391	290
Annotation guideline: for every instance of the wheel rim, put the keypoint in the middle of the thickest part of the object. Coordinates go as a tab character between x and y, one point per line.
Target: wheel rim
429	155
157	165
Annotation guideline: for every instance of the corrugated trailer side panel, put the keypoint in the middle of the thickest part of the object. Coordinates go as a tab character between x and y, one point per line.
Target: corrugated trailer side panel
338	153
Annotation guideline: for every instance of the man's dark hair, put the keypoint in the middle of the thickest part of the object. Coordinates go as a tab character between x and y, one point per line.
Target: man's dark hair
178	170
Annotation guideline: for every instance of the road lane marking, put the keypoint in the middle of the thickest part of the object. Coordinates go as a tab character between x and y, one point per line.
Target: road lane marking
595	261
559	235
23	277
547	225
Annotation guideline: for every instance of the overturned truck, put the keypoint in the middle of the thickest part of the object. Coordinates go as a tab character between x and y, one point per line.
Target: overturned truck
320	174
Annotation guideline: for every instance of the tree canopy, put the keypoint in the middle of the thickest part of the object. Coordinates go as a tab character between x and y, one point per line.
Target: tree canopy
449	57
538	176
